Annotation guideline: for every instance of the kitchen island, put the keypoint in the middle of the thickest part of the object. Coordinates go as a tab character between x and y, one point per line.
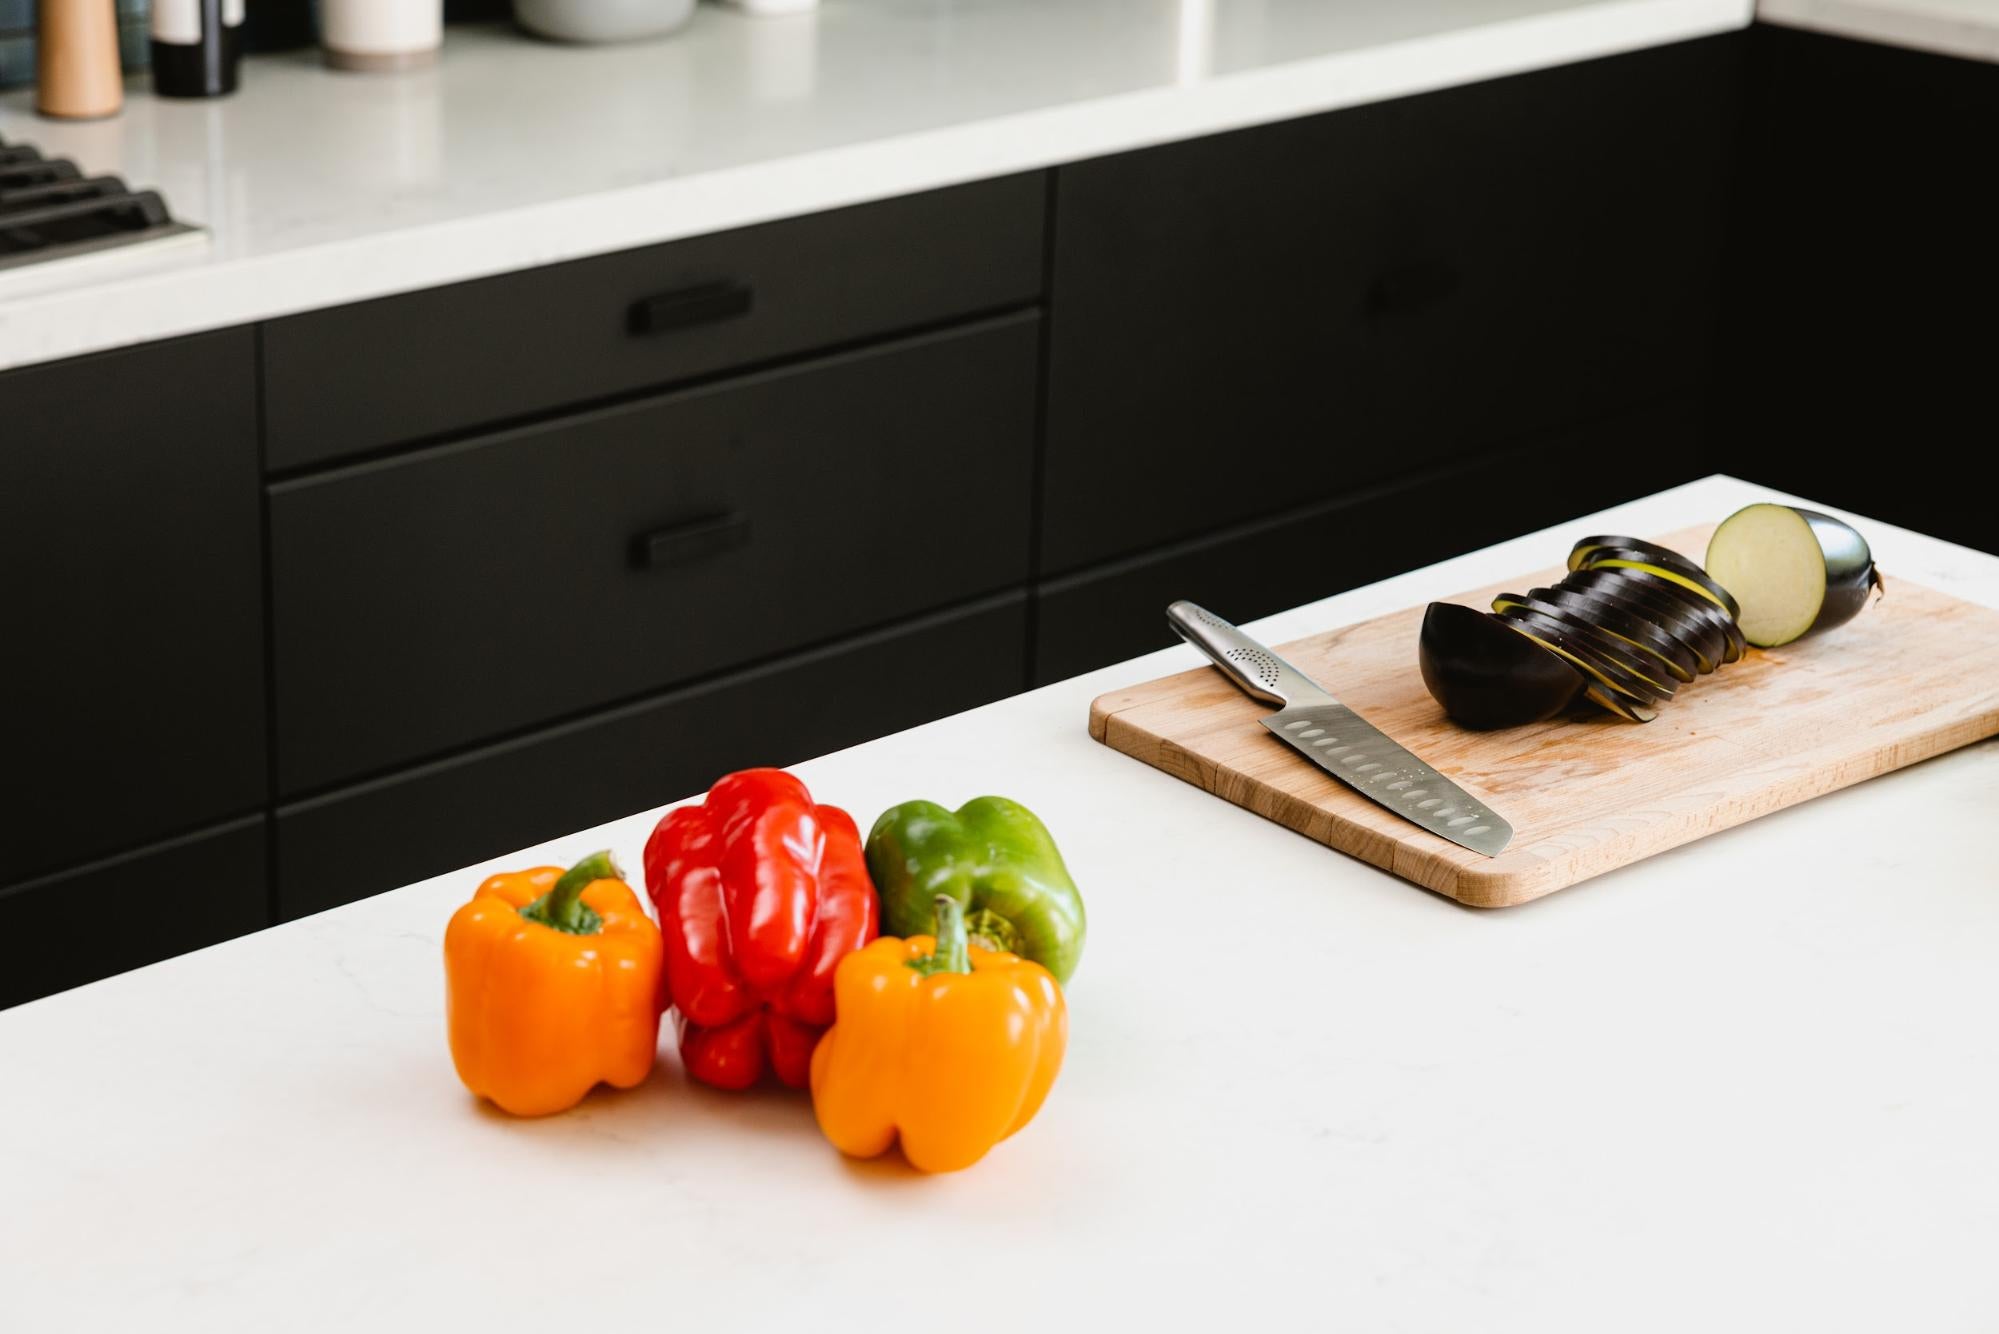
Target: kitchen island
1747	1084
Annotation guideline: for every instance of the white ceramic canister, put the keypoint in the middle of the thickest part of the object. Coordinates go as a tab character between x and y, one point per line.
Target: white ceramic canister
601	20
381	36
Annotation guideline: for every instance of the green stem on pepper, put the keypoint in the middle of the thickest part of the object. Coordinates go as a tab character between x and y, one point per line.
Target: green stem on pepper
563	908
951	953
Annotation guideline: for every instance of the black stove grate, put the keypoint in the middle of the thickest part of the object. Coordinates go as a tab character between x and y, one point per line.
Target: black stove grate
49	209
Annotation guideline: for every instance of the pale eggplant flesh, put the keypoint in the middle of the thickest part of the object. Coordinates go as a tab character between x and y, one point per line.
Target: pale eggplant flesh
1486	675
1796	572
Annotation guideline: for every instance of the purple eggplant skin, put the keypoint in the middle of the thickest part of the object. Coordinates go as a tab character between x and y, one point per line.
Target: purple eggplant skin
1607	558
1850	575
1488	676
1591	660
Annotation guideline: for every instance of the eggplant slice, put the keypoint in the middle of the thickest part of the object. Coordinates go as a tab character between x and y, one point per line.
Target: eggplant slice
1679	570
1705	636
1604	644
1682	595
1596	688
1632	629
1576	649
1486	675
1796	571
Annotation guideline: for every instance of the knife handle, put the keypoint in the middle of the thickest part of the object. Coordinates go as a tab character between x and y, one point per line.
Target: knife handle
1254	668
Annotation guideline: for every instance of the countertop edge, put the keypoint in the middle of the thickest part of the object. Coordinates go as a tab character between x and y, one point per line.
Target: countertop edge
148	305
1890	23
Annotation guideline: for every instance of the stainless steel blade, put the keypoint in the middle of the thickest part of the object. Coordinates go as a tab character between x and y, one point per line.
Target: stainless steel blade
1359	754
1340	741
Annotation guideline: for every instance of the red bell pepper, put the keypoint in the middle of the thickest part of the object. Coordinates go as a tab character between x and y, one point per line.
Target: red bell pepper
760	894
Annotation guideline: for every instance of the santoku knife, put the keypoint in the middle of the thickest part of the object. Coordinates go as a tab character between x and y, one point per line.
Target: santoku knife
1340	741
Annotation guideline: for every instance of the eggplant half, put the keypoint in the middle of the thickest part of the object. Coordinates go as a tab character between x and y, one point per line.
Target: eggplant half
1797	572
1486	675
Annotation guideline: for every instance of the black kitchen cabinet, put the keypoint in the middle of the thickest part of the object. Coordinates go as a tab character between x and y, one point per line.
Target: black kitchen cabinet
1553	247
131	536
1209	353
1248	323
1117	610
137	908
359	377
375	836
1863	281
443	598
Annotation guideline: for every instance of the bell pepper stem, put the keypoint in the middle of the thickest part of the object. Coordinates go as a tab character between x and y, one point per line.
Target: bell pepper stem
563	907
951	953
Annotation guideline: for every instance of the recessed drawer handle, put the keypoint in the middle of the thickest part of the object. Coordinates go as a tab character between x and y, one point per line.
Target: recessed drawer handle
691	541
709	303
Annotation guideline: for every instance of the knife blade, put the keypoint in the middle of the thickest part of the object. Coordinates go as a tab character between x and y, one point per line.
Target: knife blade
1340	741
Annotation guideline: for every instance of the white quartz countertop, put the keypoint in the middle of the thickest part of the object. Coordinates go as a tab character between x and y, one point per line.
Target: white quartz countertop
321	188
1964	28
1749	1084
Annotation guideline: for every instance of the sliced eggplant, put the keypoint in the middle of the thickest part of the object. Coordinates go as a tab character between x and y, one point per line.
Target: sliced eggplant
1684	595
1678	570
1579	555
1627	709
1796	571
1604	645
1573	646
1700	629
1596	688
1620	623
1486	675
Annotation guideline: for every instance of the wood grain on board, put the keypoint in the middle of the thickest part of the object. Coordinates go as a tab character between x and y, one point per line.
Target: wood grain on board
1914	675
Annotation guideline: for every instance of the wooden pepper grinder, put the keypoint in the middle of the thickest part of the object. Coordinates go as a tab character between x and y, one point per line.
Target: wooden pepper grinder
77	75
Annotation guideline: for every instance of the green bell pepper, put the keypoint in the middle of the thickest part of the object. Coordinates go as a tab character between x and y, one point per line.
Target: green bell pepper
995	857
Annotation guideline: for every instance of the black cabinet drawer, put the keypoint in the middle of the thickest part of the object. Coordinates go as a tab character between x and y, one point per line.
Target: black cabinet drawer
127	911
1115	611
445	598
376	836
131	538
1251	322
427	363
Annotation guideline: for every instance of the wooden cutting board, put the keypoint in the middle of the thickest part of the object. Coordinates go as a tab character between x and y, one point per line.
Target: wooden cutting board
1914	675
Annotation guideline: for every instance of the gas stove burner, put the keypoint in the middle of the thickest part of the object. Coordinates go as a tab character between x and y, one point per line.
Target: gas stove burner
49	210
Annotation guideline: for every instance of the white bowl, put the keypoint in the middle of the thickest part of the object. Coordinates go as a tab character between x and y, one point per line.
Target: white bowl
601	20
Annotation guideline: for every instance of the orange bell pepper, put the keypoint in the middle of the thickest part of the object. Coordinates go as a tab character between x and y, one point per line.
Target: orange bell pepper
950	1047
552	986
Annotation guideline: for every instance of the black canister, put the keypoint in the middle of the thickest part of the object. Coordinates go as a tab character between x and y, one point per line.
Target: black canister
197	45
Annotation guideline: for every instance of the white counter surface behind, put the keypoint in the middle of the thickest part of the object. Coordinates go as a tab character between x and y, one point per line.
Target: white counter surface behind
321	188
1750	1084
1968	29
